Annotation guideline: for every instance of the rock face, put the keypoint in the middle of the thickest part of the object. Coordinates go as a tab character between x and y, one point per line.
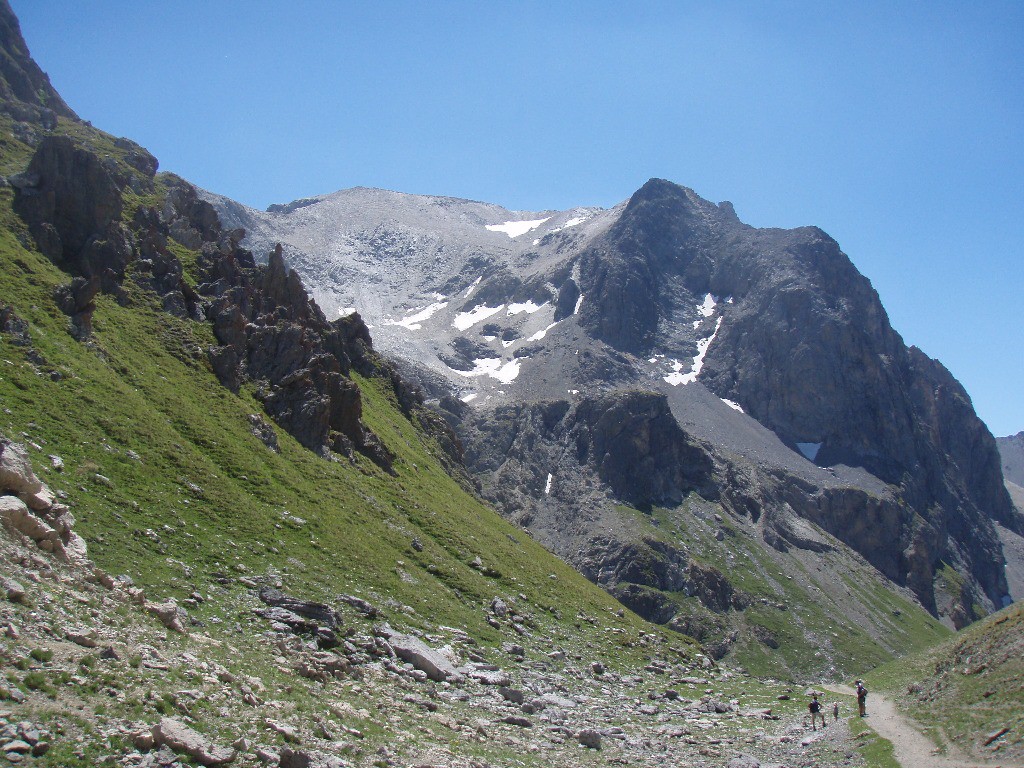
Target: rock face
1011	454
546	340
25	90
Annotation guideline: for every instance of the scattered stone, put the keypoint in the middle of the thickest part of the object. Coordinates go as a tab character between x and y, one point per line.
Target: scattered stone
589	738
995	735
170	614
14	591
512	694
292	758
87	638
522	722
290	733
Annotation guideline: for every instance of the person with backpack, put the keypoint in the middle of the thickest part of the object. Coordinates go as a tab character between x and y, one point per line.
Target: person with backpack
862	698
814	707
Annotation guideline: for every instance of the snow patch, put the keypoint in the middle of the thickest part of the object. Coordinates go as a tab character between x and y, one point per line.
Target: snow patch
506	373
346	311
541	333
547	485
579	303
528	307
516	228
707	309
734	405
414	322
677	377
574	221
507	344
469	291
465	320
809	450
469	398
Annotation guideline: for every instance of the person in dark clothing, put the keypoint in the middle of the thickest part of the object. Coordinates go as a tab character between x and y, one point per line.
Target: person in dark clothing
862	698
814	707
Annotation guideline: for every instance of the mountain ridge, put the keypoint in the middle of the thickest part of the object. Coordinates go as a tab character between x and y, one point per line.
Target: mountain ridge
628	278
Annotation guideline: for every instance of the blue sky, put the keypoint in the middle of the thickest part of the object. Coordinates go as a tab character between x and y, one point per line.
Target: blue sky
898	128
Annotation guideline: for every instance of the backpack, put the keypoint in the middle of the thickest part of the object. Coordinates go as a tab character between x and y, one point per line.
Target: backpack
815	706
862	692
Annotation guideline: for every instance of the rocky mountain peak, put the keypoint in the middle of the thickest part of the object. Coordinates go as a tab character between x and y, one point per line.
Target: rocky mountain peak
25	90
770	351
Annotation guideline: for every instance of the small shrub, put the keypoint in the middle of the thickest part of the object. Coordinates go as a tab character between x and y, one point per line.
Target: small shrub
36	681
41	654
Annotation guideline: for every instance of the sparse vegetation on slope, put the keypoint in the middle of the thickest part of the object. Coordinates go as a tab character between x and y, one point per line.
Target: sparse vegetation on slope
969	689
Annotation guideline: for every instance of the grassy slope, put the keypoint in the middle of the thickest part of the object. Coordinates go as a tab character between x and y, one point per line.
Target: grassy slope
832	615
967	687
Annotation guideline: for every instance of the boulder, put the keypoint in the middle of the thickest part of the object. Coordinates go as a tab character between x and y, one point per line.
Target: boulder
302	758
170	614
589	738
16	475
319	613
422	657
182	739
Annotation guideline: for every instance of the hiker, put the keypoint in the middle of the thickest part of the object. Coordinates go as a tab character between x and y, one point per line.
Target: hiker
814	707
835	711
862	698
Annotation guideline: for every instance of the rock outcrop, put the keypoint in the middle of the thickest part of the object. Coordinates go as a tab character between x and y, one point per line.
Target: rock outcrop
270	331
29	509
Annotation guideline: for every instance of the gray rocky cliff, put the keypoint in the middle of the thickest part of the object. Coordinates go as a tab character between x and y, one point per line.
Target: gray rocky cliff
796	399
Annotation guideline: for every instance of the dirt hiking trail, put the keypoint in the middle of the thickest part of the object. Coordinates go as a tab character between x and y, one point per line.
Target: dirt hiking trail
912	748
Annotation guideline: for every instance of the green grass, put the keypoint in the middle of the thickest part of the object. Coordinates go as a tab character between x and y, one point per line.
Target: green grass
802	603
876	751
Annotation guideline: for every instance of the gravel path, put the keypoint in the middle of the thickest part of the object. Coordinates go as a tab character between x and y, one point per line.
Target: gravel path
913	749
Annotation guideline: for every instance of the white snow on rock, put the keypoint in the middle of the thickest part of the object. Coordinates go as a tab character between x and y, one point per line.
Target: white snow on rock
469	291
465	320
547	485
677	377
574	221
732	404
493	367
707	309
579	303
516	228
507	344
469	398
346	311
414	322
809	450
541	333
528	307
